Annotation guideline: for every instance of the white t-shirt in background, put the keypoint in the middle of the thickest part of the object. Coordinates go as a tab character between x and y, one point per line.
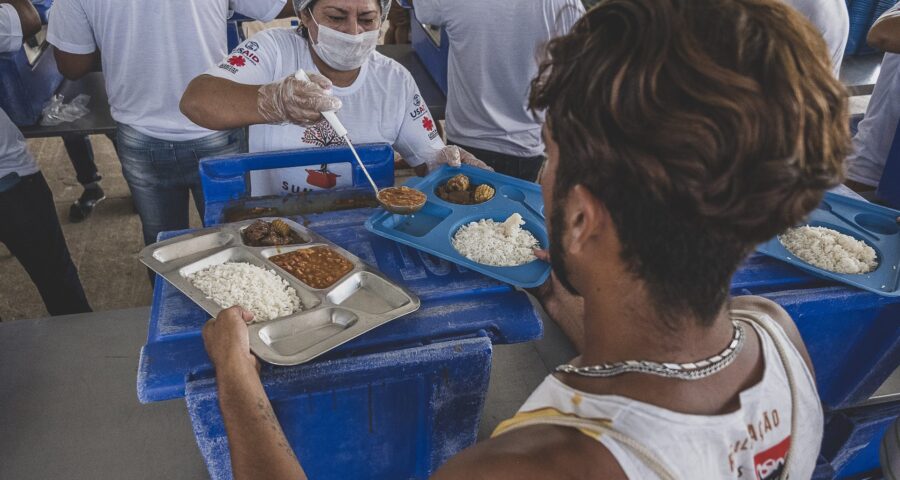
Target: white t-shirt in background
832	20
14	156
875	135
382	105
151	51
494	47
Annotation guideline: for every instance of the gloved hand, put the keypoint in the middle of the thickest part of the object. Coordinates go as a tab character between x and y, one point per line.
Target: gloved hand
296	101
455	156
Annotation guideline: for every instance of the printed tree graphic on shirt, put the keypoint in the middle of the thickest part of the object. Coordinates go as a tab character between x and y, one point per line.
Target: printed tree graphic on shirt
322	135
236	60
428	124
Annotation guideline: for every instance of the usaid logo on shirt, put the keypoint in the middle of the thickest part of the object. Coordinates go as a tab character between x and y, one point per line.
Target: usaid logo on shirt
248	54
419	108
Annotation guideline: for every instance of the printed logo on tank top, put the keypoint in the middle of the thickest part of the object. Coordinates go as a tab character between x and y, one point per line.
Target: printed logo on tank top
321	135
769	463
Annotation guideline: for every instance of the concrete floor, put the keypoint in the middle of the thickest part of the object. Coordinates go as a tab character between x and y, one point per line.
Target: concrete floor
104	247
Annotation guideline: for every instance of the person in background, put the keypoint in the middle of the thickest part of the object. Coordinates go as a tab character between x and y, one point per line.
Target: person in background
81	154
29	226
377	98
146	66
674	147
399	20
491	62
832	20
875	133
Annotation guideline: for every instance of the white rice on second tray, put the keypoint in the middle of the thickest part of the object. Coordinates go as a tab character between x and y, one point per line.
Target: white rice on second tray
829	249
497	244
257	289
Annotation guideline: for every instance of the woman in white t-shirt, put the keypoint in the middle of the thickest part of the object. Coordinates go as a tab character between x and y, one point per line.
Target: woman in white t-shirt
377	98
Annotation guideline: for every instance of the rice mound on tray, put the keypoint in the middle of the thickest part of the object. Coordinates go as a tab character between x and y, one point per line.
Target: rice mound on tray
257	289
829	249
497	244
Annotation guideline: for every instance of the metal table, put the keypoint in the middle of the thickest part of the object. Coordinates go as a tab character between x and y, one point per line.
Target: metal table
98	121
68	407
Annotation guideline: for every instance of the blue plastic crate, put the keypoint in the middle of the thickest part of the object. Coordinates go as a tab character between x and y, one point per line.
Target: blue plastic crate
25	88
853	437
225	179
397	415
889	187
456	303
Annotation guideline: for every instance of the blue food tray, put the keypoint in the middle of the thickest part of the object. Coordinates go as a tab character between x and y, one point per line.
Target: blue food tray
432	228
873	224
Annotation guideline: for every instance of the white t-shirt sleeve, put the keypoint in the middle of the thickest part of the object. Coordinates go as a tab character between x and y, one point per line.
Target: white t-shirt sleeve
69	29
418	140
262	10
429	11
10	29
253	62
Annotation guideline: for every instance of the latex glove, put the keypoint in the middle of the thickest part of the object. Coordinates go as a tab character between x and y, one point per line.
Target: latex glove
227	340
296	101
455	156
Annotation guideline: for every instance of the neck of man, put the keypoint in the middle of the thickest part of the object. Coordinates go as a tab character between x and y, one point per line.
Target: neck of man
621	323
338	78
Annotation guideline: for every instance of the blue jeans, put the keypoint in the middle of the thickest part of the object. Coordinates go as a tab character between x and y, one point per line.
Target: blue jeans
160	173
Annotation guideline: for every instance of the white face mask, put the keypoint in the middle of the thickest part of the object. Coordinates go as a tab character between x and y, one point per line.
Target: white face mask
342	51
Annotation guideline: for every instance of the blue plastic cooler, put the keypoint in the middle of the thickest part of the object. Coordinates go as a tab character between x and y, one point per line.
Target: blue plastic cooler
398	401
394	403
889	187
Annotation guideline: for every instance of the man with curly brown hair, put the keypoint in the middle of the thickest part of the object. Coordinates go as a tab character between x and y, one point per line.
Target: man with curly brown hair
680	133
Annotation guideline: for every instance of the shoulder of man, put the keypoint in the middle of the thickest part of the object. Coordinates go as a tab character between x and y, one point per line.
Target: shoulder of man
534	453
779	315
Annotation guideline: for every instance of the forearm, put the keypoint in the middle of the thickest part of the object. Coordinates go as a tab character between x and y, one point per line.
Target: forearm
28	16
219	104
259	449
885	35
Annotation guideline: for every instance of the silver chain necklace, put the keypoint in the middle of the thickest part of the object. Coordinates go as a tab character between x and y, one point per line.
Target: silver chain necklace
681	371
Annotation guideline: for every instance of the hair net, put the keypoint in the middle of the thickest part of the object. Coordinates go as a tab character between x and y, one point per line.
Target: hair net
300	5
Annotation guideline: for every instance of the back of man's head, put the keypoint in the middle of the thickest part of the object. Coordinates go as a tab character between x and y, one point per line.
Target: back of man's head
704	126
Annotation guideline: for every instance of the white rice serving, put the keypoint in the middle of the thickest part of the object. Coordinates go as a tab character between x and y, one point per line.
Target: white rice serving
497	244
257	289
829	249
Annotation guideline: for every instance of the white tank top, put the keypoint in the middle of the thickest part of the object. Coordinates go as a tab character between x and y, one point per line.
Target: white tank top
750	443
